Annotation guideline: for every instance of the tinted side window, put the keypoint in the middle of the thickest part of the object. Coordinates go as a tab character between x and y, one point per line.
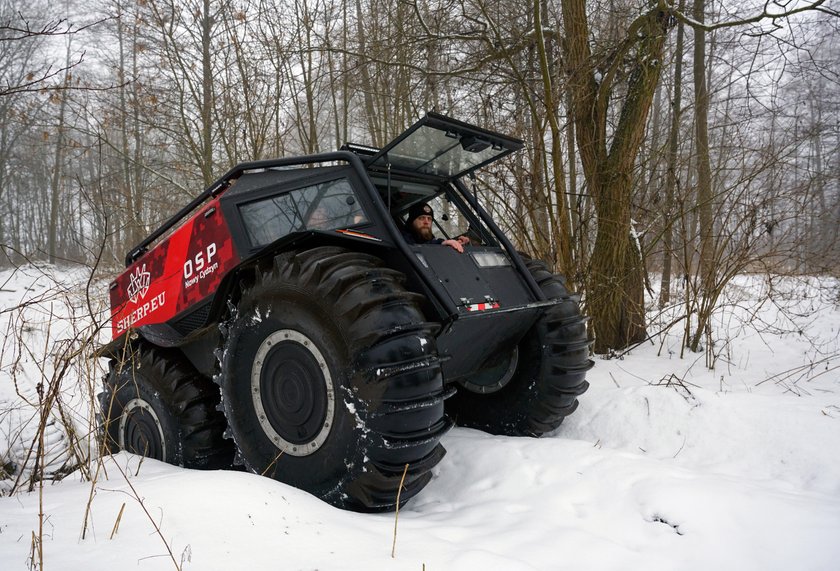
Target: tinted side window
325	206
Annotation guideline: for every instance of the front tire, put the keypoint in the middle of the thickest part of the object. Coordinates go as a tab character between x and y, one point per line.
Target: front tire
156	405
331	381
551	363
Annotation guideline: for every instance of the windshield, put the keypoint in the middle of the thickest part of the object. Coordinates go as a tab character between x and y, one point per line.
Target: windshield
442	153
443	147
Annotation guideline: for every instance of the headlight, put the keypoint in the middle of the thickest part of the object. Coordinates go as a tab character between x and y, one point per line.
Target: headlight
490	259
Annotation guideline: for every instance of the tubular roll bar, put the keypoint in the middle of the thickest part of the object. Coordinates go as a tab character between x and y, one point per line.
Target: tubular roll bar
222	184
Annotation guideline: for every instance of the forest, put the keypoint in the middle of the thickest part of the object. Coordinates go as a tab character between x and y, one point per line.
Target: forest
680	170
669	146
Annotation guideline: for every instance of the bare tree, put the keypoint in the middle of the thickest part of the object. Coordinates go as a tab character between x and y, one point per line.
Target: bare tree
615	291
703	164
671	173
184	34
57	169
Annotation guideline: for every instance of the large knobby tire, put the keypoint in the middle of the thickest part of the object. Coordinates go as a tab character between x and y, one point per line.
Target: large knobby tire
550	364
157	405
331	380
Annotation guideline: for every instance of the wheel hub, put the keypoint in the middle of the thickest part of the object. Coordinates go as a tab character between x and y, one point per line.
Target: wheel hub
292	392
140	431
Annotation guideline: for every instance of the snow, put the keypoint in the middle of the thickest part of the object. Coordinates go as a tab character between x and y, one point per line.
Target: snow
665	464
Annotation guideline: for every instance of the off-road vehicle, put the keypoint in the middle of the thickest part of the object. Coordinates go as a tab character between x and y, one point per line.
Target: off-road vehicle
282	321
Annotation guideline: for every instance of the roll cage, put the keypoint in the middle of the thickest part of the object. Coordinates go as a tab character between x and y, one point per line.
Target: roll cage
426	162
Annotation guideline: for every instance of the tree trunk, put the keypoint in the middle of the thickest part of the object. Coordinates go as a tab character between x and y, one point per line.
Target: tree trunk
207	96
55	184
563	238
127	194
371	114
671	176
616	290
704	174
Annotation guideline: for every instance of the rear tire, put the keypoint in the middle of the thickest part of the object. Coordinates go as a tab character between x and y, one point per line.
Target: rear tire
331	381
553	359
156	405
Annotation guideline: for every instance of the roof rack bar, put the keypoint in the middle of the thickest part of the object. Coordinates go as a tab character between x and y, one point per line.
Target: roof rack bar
221	185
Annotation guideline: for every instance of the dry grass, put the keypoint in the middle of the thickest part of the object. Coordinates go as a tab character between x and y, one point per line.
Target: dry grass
49	425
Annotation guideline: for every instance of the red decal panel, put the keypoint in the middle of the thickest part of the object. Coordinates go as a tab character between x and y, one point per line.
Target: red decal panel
181	271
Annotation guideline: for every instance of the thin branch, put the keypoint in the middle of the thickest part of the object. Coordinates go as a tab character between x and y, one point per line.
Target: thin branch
765	14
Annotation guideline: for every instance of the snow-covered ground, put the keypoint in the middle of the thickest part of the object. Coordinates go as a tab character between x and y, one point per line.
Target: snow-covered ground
665	465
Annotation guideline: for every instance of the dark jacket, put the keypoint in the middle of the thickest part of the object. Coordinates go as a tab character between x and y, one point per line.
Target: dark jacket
412	239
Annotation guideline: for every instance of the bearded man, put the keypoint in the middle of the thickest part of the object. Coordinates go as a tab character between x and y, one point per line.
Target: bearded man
419	229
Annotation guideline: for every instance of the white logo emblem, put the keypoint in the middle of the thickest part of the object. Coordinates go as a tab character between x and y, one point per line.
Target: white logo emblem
139	283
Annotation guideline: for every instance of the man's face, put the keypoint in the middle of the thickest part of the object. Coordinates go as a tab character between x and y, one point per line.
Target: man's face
422	227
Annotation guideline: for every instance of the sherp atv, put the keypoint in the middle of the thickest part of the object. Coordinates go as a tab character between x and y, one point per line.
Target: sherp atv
282	321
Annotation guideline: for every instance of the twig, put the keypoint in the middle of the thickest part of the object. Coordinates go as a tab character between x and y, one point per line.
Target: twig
93	482
117	523
681	447
148	515
273	462
34	549
803	369
397	514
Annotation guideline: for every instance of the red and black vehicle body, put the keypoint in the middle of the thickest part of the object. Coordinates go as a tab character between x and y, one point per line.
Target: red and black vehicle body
176	279
498	319
172	293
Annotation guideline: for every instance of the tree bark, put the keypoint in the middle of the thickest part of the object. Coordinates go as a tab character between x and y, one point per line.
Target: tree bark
371	115
206	95
55	184
704	171
671	176
616	276
563	239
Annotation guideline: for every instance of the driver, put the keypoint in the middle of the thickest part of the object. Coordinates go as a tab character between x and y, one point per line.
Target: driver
419	229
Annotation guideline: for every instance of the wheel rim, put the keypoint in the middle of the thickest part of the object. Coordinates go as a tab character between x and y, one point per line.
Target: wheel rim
140	431
292	392
494	378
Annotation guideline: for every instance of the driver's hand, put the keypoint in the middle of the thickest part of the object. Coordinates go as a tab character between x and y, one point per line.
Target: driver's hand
464	240
454	244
